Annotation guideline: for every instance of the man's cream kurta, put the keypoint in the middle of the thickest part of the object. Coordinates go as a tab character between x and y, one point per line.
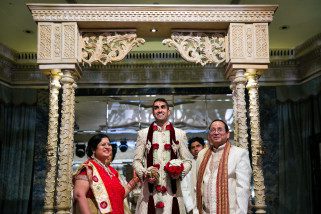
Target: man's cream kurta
161	137
188	186
239	176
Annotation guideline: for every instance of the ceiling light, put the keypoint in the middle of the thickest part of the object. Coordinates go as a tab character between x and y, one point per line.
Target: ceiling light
153	30
28	31
284	27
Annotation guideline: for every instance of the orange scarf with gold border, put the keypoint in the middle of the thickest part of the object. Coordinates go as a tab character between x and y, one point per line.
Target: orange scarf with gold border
222	199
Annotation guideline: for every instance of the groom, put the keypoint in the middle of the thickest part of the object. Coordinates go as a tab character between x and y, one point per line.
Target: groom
155	147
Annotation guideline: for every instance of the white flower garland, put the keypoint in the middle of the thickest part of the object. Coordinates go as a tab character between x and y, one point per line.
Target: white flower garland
162	176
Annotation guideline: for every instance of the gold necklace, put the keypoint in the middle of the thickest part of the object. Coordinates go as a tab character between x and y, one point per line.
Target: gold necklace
110	173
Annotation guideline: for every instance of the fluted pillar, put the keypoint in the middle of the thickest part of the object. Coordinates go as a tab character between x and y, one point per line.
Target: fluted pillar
240	83
252	76
64	181
52	142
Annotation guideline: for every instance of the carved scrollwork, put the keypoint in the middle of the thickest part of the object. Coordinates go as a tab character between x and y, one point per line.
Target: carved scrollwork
107	47
199	47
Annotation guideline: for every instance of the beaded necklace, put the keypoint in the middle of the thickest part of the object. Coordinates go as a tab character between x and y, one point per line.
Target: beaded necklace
106	168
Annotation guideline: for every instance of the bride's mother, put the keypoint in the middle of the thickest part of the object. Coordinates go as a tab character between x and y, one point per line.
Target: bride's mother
97	186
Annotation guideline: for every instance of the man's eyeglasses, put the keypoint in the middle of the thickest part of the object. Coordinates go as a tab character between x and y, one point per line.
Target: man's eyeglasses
219	131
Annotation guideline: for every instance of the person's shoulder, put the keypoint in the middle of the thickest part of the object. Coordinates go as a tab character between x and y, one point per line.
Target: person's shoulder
239	150
201	153
180	135
82	168
143	131
177	130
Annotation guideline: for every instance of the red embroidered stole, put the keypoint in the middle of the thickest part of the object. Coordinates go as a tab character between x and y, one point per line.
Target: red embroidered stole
222	199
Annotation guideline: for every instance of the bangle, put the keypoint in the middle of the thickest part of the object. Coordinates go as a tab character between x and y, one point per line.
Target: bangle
132	183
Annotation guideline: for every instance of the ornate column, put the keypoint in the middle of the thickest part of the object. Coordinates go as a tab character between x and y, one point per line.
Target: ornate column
248	47
52	142
64	181
58	49
248	52
240	122
232	87
252	76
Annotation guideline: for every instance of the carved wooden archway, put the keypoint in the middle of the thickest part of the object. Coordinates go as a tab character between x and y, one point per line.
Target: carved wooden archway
69	35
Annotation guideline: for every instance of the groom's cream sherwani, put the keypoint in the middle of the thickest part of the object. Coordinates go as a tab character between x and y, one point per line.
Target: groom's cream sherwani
160	137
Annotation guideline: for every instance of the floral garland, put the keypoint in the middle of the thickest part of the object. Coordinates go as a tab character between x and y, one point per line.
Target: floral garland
152	159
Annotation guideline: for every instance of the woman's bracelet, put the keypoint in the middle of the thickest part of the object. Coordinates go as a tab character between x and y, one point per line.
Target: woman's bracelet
132	183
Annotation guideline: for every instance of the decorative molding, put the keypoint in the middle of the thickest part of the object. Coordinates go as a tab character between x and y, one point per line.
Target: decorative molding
57	42
45	40
236	39
28	74
199	47
248	43
152	13
261	41
6	70
308	46
70	37
282	55
285	68
26	57
281	75
311	69
7	53
160	74
107	47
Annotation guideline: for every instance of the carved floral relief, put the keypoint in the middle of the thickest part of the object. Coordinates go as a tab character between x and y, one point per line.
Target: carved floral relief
199	47
107	47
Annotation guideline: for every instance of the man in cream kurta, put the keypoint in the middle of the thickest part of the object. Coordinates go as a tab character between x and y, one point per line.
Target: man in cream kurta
238	171
160	136
188	184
